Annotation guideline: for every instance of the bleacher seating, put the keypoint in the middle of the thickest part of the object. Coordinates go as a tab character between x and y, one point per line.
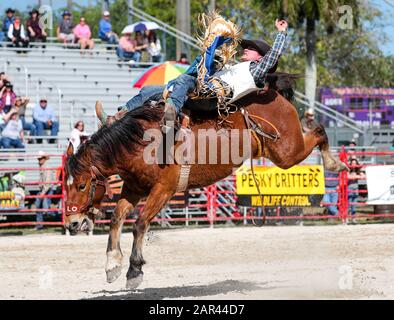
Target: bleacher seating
79	79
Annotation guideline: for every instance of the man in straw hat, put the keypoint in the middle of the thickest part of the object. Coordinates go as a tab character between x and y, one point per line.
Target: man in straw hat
45	188
308	122
258	59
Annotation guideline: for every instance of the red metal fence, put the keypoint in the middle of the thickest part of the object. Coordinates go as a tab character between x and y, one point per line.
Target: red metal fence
210	205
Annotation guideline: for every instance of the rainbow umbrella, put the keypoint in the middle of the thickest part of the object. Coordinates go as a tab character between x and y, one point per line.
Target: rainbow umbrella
160	74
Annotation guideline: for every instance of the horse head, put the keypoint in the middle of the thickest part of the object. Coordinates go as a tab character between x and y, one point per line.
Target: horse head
85	188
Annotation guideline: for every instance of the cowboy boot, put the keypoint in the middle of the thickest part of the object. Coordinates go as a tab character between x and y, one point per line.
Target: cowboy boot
106	119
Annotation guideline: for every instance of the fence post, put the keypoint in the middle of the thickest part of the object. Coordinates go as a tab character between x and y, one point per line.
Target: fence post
343	188
63	191
211	204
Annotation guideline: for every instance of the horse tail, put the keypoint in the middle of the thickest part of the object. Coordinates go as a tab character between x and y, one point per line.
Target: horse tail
284	83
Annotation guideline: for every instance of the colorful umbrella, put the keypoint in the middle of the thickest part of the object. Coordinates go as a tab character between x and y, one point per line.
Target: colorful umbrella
160	74
140	26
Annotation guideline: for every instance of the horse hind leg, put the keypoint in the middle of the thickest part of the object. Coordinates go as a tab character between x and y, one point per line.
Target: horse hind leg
330	162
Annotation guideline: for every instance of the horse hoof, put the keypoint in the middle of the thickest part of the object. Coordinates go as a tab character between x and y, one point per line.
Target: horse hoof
113	274
133	283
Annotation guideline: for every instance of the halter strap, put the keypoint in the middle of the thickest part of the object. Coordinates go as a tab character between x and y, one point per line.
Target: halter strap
97	179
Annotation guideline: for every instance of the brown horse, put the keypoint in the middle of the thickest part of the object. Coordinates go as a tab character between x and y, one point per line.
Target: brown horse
119	149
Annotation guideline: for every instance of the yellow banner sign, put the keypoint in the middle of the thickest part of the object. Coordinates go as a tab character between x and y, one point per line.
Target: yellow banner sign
298	180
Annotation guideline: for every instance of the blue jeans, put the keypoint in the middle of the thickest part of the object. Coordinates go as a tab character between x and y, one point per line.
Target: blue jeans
8	143
148	93
110	40
122	54
182	85
331	198
41	126
43	203
28	126
352	197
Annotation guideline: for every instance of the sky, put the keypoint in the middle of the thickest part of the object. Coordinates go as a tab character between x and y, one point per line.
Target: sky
386	6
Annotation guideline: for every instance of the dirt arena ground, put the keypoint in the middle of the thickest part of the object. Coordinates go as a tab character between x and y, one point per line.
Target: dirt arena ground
319	262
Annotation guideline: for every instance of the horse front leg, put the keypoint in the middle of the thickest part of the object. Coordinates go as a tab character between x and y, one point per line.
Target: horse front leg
113	266
154	203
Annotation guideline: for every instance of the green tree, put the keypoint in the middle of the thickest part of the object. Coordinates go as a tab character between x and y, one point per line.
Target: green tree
309	14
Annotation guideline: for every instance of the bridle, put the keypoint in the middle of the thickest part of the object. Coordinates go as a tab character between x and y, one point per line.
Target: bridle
97	179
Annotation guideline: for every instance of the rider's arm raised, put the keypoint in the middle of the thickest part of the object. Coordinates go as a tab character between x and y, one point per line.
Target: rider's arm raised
271	58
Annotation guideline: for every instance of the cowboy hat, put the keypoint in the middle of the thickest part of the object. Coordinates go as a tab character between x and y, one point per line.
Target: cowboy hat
261	47
34	11
10	10
42	154
310	111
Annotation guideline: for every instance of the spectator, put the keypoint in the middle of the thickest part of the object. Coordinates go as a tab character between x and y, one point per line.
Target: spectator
154	47
105	30
64	31
78	135
4	118
331	195
44	118
353	176
3	80
8	20
12	135
45	188
18	188
7	97
83	35
20	107
34	30
351	150
141	45
183	59
17	34
127	49
308	123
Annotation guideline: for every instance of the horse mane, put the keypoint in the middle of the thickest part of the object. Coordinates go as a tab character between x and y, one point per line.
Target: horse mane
284	83
110	140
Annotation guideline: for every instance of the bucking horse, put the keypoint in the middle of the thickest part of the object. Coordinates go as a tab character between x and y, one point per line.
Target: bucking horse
273	132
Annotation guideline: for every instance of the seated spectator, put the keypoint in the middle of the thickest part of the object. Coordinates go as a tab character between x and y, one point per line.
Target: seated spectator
127	49
4	118
17	34
7	97
64	31
141	43
44	118
8	20
20	106
105	30
34	30
83	35
12	135
183	59
3	80
78	135
154	47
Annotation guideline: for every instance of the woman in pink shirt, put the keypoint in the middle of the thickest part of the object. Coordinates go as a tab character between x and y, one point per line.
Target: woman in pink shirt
83	35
